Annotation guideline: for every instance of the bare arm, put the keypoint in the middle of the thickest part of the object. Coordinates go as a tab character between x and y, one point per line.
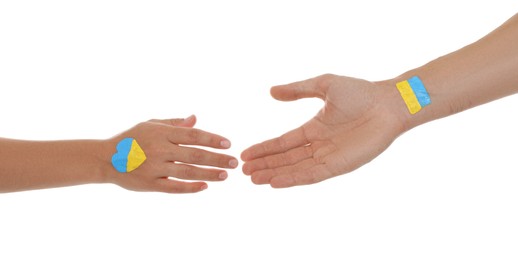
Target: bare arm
360	119
171	159
38	164
476	74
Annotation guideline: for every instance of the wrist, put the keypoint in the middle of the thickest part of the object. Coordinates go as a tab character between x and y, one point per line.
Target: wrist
104	170
391	102
397	106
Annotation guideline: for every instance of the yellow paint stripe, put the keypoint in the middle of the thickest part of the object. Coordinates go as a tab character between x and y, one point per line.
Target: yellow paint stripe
136	156
408	96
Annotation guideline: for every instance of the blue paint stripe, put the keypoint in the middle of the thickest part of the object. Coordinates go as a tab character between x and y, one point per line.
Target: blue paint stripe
419	91
120	165
124	146
120	159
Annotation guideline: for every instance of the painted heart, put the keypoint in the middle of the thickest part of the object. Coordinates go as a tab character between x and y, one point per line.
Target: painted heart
129	155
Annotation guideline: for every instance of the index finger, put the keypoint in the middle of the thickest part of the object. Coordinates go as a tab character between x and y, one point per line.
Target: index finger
193	136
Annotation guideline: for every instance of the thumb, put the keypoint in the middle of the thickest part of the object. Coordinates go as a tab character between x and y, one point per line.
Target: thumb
314	87
182	122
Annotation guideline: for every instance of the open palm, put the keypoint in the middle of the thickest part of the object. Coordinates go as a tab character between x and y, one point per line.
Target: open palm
350	130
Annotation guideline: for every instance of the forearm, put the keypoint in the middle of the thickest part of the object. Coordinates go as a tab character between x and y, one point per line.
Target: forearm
26	165
476	74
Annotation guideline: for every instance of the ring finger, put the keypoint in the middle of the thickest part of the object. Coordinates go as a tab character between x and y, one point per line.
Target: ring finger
190	172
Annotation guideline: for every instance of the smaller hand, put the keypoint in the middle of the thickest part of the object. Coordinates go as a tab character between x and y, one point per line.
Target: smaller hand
356	124
171	157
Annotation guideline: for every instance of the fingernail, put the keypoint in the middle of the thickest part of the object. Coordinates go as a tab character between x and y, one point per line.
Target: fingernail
233	163
223	175
246	170
225	144
188	118
203	187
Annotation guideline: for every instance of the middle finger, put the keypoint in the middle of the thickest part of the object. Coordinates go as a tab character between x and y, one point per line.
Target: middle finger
198	156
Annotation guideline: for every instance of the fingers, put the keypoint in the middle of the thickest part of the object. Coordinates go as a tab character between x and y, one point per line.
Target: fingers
314	87
183	133
192	136
182	122
264	176
302	173
174	186
159	179
290	157
187	172
190	172
197	156
283	143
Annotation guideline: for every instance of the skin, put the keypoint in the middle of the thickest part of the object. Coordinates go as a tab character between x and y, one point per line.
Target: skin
360	119
172	165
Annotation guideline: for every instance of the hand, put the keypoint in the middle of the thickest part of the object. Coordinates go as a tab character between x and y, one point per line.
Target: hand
166	145
357	123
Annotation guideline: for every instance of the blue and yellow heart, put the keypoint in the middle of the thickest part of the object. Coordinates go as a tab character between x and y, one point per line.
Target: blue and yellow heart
129	155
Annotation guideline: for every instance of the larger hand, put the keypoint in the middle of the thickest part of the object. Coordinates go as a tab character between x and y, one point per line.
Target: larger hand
351	129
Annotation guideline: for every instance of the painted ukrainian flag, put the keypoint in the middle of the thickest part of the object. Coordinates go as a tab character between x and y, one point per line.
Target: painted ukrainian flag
414	94
129	155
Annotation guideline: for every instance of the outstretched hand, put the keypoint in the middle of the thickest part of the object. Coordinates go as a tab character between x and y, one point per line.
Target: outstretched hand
356	124
173	164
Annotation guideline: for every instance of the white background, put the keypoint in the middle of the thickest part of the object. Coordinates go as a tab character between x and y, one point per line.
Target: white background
90	69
